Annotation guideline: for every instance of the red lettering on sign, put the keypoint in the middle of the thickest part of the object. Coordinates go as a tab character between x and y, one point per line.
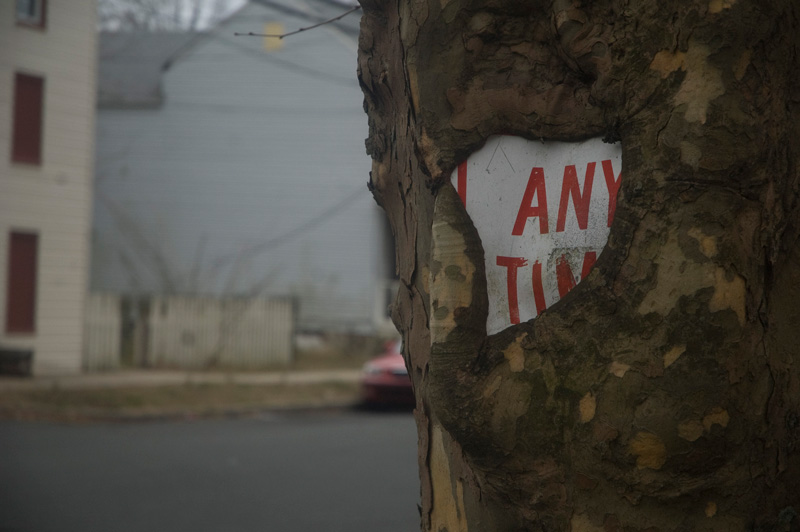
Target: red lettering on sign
571	187
566	281
613	187
527	210
588	261
462	182
538	290
564	276
512	264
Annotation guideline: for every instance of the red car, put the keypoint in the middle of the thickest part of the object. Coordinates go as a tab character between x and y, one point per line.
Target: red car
385	381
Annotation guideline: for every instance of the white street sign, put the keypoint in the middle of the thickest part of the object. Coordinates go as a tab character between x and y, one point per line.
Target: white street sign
543	211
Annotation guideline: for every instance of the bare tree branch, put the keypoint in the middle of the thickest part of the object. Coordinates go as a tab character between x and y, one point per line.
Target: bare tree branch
281	36
159	15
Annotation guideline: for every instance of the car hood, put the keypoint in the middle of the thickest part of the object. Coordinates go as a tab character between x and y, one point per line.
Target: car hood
391	361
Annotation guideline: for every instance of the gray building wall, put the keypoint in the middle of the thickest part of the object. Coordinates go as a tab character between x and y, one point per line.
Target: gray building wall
248	178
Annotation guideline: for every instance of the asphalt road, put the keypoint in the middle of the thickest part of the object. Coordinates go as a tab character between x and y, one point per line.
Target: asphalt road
320	472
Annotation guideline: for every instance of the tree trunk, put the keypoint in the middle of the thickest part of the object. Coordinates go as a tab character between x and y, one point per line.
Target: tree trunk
661	393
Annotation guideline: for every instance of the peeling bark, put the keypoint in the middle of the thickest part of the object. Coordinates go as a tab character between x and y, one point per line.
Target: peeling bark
661	393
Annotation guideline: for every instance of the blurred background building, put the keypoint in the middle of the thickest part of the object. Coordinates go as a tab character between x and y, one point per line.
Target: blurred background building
235	166
229	192
47	110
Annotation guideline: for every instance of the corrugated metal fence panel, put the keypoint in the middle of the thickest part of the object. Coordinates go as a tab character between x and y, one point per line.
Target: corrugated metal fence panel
182	331
194	332
256	332
102	332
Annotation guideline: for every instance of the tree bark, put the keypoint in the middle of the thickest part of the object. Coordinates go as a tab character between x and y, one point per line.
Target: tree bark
661	393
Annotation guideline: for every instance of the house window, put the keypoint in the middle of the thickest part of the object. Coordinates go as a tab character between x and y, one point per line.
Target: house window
31	12
26	145
23	250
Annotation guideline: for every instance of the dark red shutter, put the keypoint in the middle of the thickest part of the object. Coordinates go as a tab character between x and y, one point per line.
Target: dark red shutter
43	18
23	251
28	115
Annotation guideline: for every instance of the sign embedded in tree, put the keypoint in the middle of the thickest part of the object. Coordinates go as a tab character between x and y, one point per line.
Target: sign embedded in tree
543	211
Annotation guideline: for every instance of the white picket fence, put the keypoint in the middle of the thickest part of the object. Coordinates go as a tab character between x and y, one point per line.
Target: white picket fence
190	332
198	332
102	332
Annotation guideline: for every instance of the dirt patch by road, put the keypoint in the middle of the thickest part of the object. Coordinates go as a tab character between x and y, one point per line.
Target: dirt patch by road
179	401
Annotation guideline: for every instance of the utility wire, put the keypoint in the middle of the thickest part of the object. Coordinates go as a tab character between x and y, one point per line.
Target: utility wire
252	251
283	35
288	65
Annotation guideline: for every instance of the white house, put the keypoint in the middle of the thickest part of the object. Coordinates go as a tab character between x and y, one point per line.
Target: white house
47	91
230	165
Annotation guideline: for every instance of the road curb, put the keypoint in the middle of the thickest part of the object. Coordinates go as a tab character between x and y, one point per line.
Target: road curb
133	379
93	416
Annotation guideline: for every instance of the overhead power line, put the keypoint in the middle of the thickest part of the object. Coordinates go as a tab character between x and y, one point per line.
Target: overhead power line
266	245
283	35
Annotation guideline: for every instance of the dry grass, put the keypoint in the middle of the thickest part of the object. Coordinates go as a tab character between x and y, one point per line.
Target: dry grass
190	400
198	400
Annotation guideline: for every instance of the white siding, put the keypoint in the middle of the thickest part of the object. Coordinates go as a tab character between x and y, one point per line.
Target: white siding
54	199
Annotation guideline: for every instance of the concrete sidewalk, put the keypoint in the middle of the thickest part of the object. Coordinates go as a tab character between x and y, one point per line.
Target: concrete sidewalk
143	378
